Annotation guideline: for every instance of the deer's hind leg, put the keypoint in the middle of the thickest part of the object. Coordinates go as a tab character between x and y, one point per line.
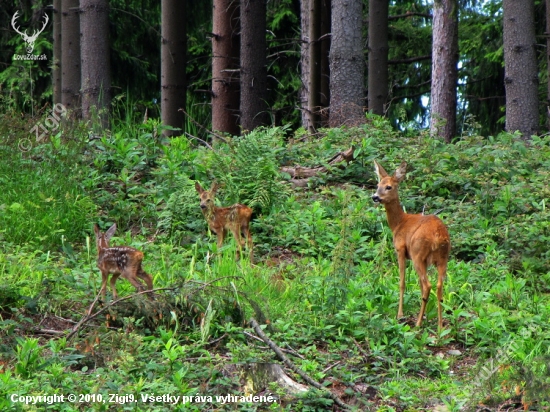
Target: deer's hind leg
248	236
238	239
421	268
441	273
148	279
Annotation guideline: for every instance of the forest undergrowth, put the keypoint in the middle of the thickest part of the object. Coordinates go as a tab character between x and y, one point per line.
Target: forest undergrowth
324	283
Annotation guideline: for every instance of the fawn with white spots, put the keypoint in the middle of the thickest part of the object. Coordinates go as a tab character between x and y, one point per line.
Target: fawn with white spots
123	261
235	218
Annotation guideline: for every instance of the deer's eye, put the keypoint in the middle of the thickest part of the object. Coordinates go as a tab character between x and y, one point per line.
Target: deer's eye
388	187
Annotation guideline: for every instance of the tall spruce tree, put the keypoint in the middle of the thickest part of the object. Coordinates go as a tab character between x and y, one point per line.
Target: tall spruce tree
346	64
520	67
173	64
225	65
95	58
253	64
444	69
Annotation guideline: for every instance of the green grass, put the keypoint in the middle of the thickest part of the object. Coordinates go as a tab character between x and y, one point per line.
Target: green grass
325	278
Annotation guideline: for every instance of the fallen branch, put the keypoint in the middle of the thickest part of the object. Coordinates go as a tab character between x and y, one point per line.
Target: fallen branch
291	365
48	331
89	316
261	340
218	136
301	174
261	375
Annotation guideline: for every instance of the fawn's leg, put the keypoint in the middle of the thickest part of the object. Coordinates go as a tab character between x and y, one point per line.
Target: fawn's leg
148	279
132	274
221	236
104	278
248	237
238	239
114	278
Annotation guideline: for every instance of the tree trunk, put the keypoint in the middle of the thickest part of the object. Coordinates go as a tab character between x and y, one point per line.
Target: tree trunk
548	64
56	65
96	64
444	69
520	67
70	56
314	96
225	66
325	70
378	56
346	64
173	64
253	64
304	63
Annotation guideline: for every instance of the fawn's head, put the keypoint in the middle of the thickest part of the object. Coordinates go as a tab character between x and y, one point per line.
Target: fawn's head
207	197
387	185
102	239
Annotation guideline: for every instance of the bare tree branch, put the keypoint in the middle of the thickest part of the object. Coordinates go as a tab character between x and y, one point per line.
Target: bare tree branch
291	365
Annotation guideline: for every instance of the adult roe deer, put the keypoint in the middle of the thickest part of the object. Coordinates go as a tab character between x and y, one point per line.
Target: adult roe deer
124	261
424	239
235	218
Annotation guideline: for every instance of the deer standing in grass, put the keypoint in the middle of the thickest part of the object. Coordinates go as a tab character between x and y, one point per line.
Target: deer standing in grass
235	218
122	261
422	238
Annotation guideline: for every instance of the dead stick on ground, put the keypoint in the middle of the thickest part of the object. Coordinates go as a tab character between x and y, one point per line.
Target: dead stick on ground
89	316
289	363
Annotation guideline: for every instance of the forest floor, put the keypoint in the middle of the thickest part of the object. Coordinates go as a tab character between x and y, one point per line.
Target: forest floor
323	287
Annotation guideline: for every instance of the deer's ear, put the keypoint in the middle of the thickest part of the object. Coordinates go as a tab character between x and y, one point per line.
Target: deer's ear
401	171
214	188
109	233
198	187
96	230
380	172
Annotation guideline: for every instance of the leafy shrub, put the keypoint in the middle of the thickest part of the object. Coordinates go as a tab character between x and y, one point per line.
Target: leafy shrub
41	198
248	168
181	215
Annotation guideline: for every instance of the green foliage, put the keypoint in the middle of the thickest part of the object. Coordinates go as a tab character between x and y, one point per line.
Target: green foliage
181	214
248	168
325	278
42	182
409	37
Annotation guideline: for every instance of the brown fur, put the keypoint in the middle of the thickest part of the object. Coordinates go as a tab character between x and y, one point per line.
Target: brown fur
422	238
235	218
121	261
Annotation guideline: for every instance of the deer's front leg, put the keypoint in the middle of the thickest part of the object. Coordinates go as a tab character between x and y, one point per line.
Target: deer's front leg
402	261
104	279
221	236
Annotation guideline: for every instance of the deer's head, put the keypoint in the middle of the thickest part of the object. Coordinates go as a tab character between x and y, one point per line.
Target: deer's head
102	239
207	197
387	185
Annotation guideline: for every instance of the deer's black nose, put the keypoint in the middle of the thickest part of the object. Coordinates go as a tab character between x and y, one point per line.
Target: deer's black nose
375	198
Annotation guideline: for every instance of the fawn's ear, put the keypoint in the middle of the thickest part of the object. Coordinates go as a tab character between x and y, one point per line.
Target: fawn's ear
96	230
401	171
109	233
214	188
198	187
379	170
